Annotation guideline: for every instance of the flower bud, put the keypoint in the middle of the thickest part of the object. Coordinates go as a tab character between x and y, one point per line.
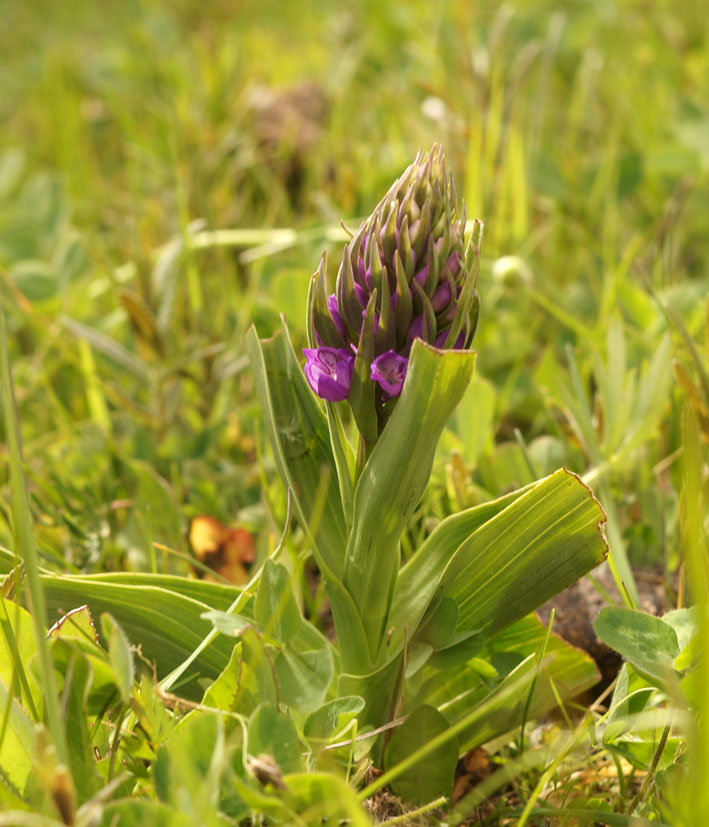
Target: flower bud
408	270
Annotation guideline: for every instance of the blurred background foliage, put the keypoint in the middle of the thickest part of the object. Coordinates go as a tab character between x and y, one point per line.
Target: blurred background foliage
170	173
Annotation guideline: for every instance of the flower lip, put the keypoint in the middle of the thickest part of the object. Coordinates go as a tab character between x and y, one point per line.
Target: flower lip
389	372
329	372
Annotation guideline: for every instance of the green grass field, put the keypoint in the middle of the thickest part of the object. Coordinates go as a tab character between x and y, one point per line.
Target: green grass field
170	174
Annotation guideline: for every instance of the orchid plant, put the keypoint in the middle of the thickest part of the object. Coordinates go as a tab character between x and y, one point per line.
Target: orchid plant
389	339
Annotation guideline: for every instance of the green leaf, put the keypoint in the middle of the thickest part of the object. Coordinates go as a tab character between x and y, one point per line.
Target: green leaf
298	431
416	656
460	690
685	622
36	280
256	683
540	544
377	689
167	625
647	642
418	579
18	750
332	717
438	628
325	798
305	669
465	646
222	693
187	769
74	690
120	655
393	480
273	733
433	775
215	595
275	608
17	650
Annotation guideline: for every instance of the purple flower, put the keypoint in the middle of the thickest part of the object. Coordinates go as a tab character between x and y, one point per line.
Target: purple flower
389	371
329	372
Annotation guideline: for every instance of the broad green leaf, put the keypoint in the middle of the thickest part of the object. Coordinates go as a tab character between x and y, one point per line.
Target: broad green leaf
74	688
273	733
564	673
433	775
377	689
257	681
332	717
393	480
275	608
647	642
299	436
641	753
36	280
215	595
463	647
304	676
689	656
17	650
18	748
104	681
685	622
630	697
458	690
418	580
325	798
540	544
120	655
222	692
168	626
188	767
438	628
416	656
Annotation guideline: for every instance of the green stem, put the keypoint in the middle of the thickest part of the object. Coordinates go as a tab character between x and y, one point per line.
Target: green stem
26	549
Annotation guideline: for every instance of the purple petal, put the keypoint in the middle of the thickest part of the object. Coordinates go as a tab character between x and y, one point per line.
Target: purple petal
329	372
422	274
389	372
415	331
334	312
453	264
457	345
441	297
362	295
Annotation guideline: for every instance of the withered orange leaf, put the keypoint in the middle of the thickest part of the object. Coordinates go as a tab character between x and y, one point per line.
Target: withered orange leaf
228	551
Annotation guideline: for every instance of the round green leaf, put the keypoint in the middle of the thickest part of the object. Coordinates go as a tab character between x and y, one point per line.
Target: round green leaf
433	775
